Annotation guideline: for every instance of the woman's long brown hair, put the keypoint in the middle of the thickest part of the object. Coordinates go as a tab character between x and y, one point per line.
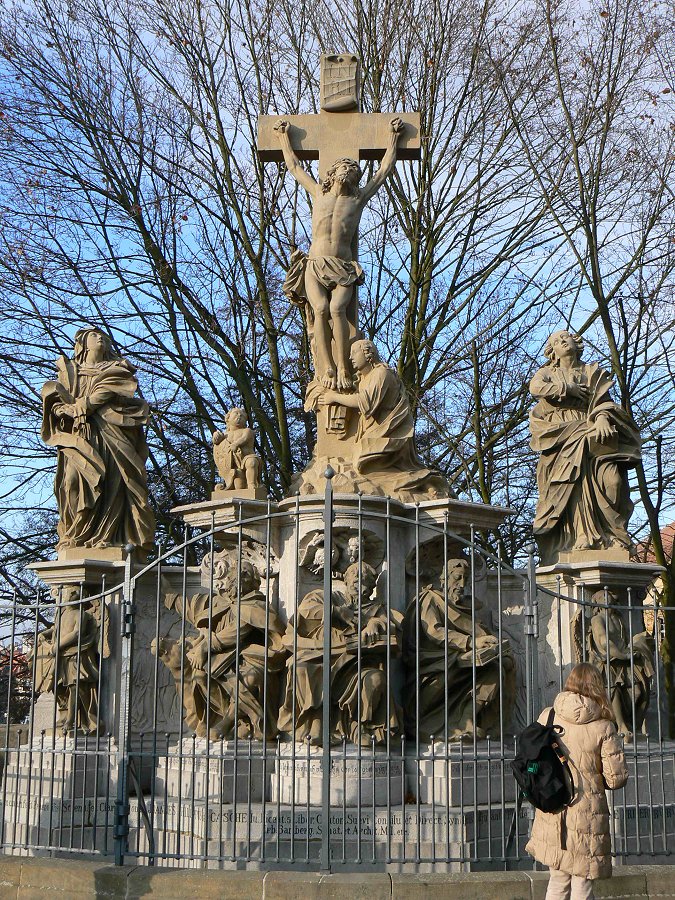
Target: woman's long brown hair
587	680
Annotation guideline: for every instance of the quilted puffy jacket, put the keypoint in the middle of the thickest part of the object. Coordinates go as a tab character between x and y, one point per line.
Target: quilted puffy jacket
577	840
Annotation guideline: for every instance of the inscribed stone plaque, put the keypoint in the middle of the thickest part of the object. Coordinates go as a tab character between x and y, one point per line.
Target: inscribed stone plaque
339	82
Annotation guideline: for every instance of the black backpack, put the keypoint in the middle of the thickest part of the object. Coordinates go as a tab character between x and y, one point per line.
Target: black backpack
541	768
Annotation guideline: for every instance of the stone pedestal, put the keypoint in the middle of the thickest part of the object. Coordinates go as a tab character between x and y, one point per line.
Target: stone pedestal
254	493
198	769
576	580
356	777
449	775
406	838
61	792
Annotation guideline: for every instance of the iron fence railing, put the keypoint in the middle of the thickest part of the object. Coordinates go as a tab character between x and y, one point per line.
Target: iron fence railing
198	711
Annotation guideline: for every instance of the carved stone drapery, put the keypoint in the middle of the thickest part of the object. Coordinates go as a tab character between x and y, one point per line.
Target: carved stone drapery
90	414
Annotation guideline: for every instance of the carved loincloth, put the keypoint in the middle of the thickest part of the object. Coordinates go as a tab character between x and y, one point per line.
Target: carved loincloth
330	271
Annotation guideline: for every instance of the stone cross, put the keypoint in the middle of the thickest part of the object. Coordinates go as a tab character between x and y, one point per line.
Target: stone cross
339	129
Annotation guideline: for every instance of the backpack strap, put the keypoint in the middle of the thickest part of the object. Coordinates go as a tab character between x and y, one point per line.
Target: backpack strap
555	746
557	749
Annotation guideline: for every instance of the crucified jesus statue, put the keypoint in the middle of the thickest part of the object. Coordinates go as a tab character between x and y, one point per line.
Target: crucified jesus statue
327	276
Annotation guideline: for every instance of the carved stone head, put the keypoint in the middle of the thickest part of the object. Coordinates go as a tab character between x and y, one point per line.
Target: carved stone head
605	597
364	353
65	593
87	340
454	575
249	579
354	545
236	418
368	581
561	343
345	171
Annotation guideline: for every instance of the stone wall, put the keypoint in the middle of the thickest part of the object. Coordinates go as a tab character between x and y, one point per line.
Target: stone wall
30	879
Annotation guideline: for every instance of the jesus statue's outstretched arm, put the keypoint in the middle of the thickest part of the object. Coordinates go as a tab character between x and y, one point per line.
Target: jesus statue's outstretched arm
293	164
397	127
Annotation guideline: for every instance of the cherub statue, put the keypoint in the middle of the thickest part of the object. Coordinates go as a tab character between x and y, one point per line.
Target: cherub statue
234	453
223	669
313	556
68	660
606	640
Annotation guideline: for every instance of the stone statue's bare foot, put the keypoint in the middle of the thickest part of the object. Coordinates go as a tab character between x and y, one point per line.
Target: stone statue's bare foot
344	381
329	380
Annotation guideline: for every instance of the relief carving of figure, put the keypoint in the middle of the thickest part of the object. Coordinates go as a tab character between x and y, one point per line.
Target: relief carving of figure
348	547
234	453
587	444
431	612
385	438
348	689
326	277
222	689
607	638
313	556
90	414
67	662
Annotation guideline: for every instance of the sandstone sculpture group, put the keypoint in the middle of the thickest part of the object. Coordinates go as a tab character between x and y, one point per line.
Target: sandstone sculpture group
244	671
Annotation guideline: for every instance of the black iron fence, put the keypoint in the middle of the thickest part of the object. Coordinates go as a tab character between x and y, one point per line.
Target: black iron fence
198	711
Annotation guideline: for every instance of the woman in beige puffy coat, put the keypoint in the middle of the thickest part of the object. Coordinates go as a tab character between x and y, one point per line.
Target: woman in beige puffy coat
575	843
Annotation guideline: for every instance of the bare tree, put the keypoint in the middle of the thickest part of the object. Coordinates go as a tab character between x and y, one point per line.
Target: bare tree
132	196
607	179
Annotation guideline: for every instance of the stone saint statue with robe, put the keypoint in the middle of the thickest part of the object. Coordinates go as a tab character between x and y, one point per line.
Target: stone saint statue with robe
587	444
358	694
227	670
68	661
626	662
93	418
385	439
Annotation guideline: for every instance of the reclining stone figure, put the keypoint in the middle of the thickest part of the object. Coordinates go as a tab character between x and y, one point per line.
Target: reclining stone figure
445	658
223	674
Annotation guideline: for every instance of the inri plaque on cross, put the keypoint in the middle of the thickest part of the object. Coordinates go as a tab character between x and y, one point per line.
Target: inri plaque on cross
339	129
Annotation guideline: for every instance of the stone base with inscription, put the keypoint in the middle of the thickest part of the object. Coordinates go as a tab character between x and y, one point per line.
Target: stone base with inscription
61	767
85	825
356	777
651	775
49	783
408	838
198	768
448	775
640	833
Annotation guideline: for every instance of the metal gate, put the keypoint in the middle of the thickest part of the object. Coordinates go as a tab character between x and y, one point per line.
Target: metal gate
222	724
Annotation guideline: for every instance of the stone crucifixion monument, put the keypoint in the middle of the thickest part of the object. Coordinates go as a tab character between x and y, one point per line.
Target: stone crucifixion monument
325	280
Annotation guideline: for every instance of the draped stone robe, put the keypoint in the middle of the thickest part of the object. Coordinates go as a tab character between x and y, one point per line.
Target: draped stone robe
385	439
583	484
444	661
358	696
101	482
